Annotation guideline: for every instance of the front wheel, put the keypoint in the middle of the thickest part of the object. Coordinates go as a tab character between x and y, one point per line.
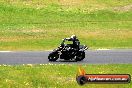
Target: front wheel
53	56
80	56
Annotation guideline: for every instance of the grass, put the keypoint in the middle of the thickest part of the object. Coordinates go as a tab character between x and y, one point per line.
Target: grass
57	76
40	25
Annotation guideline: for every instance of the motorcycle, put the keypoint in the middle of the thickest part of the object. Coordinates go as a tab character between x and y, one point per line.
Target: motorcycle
68	52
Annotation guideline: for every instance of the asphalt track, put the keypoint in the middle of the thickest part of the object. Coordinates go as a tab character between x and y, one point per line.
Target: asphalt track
92	57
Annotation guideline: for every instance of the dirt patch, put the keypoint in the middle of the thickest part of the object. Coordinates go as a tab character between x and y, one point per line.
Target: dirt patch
123	8
71	2
32	31
26	31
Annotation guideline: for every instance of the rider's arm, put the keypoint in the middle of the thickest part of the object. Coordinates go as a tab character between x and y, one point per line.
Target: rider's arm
68	39
65	39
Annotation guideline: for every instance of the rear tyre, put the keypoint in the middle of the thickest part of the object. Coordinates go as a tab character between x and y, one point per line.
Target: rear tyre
80	56
53	56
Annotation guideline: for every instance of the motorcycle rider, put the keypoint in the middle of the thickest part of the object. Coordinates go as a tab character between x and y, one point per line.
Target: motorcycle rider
75	41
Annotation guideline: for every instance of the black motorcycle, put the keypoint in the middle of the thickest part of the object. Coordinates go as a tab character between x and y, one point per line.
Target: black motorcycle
68	52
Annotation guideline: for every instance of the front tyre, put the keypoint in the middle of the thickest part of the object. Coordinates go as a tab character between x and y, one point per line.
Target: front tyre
80	56
53	56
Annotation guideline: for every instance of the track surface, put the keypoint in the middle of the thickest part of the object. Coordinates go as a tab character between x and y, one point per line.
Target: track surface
92	57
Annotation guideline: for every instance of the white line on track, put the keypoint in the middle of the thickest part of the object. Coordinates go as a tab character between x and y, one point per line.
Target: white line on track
5	51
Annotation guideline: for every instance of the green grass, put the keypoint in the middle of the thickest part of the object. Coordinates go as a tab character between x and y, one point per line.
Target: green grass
57	76
40	25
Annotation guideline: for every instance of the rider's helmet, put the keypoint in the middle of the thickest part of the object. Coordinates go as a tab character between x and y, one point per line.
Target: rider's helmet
73	37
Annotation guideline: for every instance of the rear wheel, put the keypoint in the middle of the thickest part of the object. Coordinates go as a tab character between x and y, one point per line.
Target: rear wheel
53	56
80	56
